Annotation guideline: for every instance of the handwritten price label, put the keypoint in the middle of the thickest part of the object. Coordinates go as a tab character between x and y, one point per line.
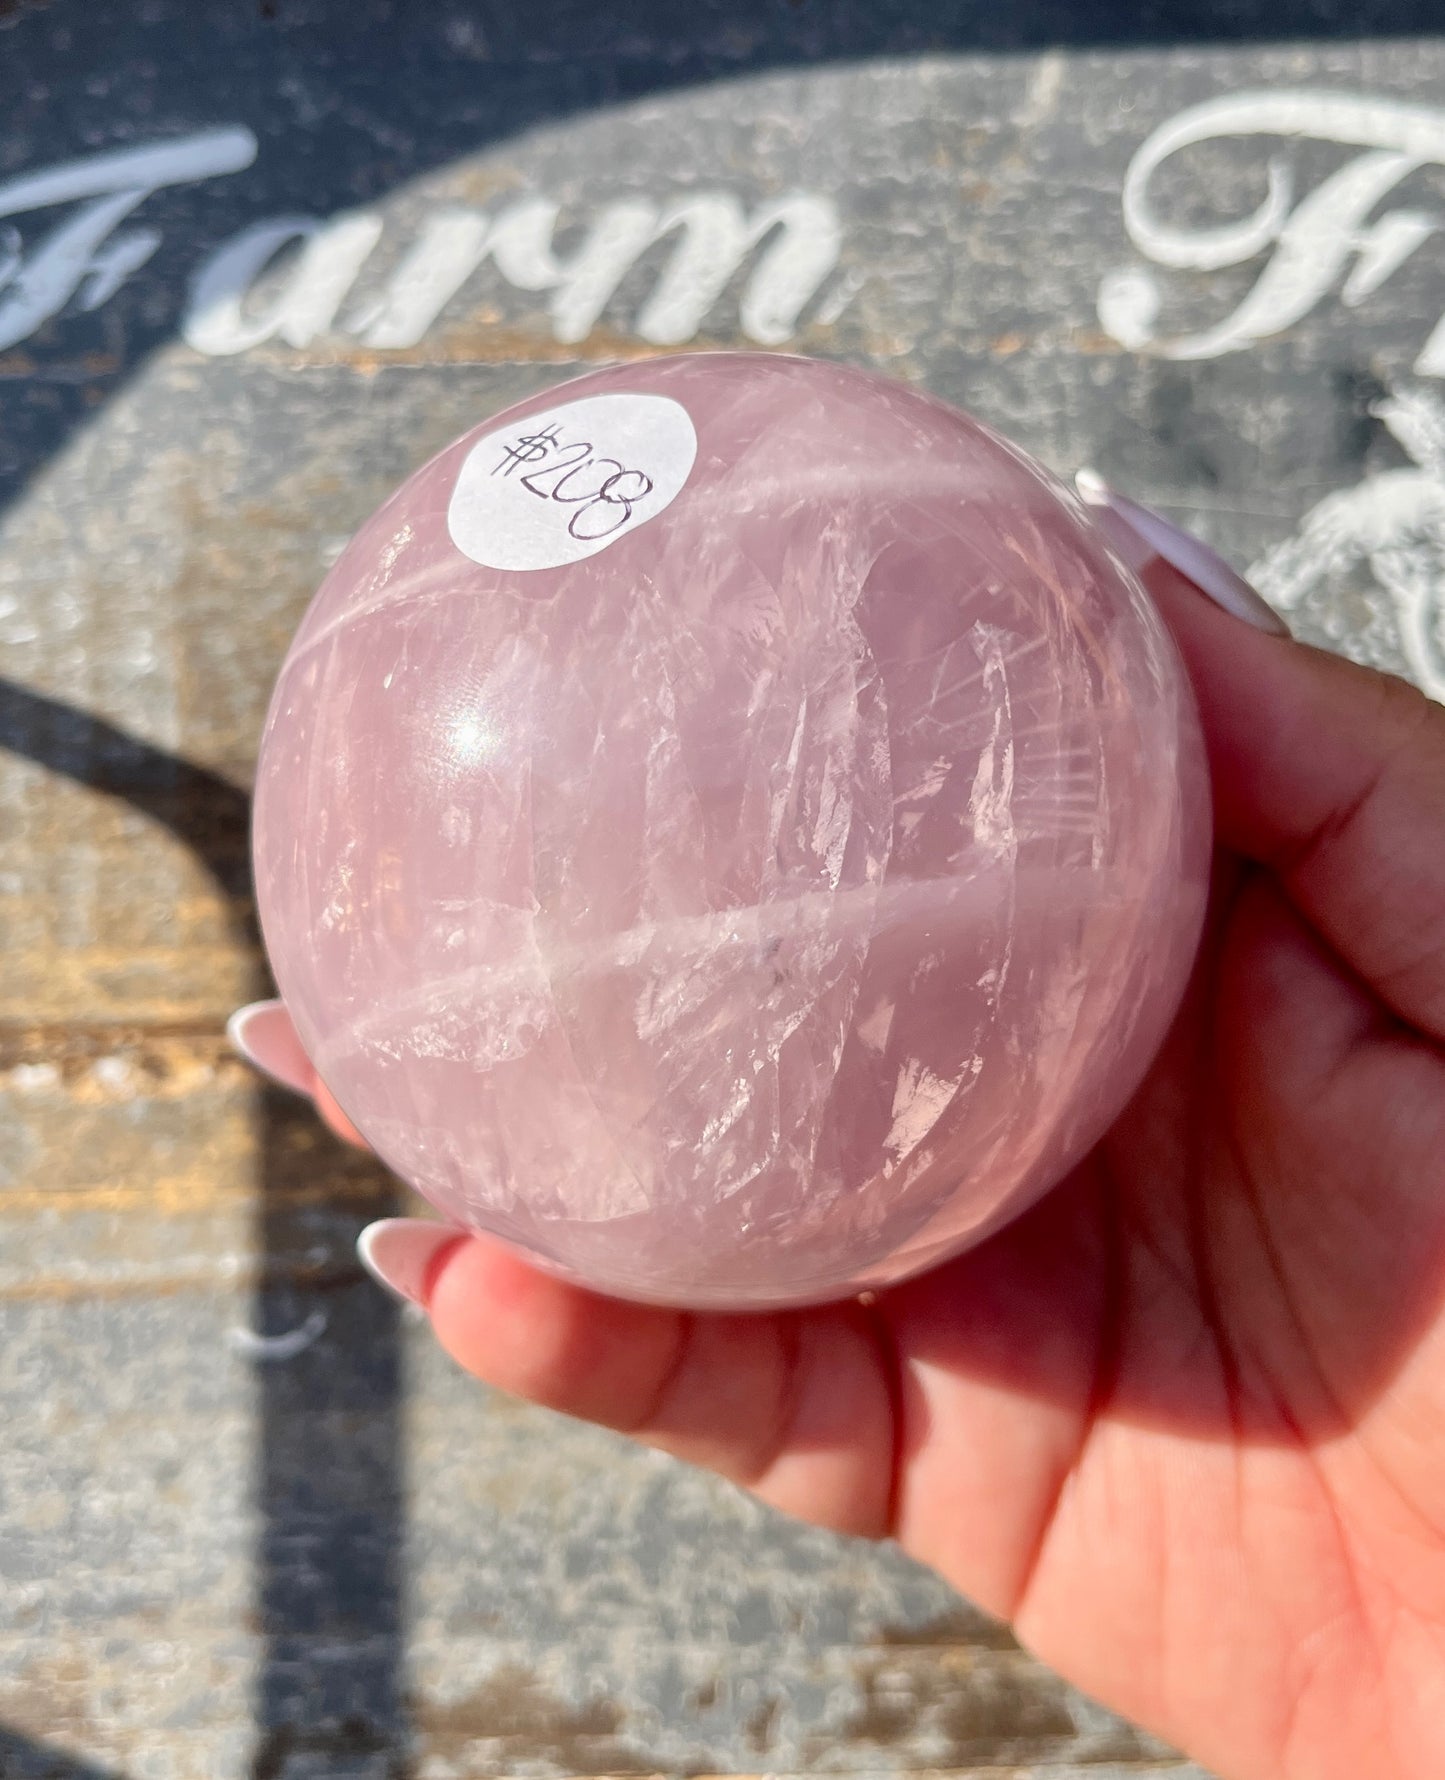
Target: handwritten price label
610	493
557	487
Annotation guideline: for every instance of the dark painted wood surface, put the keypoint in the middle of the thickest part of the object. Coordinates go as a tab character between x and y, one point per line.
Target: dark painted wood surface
250	1523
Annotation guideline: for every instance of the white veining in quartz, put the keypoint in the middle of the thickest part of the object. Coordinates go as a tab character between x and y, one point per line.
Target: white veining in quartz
770	903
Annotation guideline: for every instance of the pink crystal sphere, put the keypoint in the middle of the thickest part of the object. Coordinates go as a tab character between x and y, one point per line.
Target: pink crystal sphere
731	827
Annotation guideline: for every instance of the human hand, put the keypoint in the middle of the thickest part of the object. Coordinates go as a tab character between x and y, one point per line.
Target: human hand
1183	1423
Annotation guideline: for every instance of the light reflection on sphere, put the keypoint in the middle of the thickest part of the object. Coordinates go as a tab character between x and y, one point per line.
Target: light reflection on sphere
744	861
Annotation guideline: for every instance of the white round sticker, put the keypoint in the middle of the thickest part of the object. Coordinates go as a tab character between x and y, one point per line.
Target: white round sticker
557	487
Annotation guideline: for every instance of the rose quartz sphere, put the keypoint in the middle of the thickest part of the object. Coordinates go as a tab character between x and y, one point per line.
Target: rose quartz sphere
746	860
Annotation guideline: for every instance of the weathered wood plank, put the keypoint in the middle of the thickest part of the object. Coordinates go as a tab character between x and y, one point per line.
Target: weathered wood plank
251	1523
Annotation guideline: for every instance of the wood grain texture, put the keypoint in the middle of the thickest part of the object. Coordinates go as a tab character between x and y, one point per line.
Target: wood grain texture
349	1562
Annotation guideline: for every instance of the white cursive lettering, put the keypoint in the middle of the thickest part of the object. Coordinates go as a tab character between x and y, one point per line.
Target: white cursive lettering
218	321
1313	245
289	278
797	240
82	256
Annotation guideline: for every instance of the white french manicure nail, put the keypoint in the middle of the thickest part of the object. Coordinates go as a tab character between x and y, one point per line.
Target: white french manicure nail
1141	535
262	1033
398	1253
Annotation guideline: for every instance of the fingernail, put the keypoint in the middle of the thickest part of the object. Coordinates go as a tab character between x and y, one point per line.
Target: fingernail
1141	536
398	1253
263	1034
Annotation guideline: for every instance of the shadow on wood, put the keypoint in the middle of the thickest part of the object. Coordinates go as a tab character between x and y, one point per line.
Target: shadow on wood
328	1582
20	1759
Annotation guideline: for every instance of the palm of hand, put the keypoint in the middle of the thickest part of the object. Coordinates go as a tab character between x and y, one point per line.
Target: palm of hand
1217	1357
1183	1423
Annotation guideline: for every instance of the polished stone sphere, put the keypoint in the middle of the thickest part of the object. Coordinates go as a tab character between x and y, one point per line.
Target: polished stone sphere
731	827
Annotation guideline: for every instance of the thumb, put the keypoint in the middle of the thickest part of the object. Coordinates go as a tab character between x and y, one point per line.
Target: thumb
1329	774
